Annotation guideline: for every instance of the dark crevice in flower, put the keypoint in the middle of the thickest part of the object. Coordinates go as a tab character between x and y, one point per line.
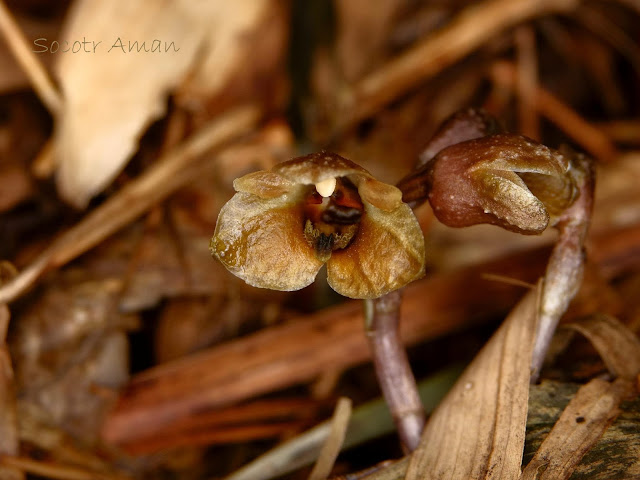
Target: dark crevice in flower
331	222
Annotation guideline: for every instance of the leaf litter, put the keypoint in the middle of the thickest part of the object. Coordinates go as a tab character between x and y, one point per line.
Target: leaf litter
131	134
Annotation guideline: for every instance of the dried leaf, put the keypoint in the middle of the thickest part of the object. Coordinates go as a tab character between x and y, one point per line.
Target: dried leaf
617	345
235	32
478	431
370	420
580	426
67	344
138	54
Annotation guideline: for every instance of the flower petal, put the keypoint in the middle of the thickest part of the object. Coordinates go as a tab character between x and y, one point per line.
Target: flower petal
317	167
387	253
511	152
263	184
382	195
261	241
506	201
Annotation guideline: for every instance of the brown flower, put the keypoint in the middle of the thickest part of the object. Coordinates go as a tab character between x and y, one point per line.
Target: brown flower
284	224
502	179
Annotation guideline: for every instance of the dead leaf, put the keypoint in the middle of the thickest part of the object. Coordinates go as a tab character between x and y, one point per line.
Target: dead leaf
68	344
235	32
580	426
478	431
135	55
617	345
595	405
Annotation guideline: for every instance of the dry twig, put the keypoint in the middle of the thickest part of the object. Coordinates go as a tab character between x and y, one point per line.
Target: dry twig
333	443
34	69
589	137
471	28
172	171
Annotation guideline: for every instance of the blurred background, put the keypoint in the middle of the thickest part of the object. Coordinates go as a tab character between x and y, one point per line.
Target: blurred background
122	126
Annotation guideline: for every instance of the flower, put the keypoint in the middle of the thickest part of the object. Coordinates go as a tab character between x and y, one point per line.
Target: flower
282	225
502	179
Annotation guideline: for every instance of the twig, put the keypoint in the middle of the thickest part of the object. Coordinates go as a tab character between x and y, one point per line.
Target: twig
9	440
527	82
51	470
622	131
382	317
33	68
44	164
594	20
333	443
238	423
471	28
592	139
172	171
216	436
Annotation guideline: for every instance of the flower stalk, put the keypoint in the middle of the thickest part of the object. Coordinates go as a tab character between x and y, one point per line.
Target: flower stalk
565	269
398	385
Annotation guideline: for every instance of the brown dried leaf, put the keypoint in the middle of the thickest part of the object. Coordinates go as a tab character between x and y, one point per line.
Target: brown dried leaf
478	430
67	344
617	345
242	57
580	426
114	92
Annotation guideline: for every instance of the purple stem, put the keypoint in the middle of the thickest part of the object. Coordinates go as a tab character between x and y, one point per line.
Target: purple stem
564	272
395	377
